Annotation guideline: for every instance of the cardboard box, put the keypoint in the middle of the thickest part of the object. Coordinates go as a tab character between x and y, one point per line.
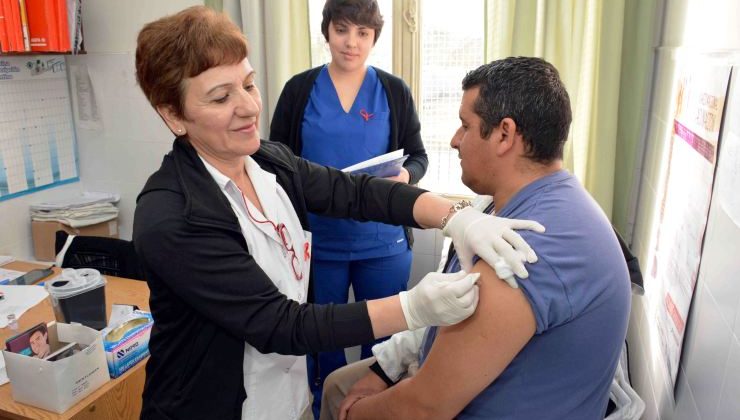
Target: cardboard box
44	235
57	386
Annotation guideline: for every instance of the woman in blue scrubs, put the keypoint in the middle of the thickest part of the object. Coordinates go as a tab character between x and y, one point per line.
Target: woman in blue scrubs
337	115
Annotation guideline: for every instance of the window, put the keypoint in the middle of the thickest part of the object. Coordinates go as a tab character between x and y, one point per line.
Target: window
451	44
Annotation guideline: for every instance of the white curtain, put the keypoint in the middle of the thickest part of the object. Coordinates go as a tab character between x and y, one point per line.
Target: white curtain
279	46
583	39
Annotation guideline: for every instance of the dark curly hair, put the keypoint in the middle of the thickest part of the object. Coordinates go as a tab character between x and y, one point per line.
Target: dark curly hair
529	91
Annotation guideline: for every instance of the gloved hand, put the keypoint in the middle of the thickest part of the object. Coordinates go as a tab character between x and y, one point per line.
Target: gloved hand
440	299
493	239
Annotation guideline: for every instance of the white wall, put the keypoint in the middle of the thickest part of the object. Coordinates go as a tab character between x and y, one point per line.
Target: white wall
119	157
709	376
129	147
15	220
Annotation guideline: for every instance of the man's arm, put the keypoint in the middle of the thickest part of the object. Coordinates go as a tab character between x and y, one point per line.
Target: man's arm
464	359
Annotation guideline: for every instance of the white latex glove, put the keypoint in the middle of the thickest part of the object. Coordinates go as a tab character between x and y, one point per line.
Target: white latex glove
493	239
440	299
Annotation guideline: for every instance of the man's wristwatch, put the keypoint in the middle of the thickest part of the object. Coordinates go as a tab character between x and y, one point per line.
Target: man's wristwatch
457	206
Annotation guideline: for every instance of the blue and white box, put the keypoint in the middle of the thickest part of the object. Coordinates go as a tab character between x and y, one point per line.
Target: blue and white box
127	343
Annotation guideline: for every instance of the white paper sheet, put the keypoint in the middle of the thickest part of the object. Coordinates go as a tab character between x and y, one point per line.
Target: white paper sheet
19	299
3	373
386	165
84	97
8	275
5	259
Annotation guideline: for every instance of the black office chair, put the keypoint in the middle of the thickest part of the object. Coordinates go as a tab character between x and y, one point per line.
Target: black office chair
638	288
114	257
633	266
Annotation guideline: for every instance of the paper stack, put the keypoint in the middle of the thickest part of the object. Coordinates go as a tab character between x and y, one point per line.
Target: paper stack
86	209
386	165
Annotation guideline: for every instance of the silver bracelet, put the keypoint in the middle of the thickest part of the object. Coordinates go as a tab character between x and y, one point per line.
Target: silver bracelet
457	206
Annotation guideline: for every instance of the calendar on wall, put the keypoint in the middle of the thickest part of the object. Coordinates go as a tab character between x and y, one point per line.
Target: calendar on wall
37	139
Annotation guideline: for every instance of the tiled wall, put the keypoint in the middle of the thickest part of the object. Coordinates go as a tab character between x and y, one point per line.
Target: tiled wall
427	249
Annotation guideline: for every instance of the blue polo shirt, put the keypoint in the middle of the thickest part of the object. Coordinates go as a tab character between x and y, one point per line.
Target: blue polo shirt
580	294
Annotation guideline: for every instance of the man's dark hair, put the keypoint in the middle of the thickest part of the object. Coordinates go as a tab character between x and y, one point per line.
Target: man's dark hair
359	12
529	91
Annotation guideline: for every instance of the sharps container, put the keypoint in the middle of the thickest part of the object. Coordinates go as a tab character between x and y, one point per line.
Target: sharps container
78	295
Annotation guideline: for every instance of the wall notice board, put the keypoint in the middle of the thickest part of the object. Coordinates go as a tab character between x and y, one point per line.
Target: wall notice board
37	139
685	197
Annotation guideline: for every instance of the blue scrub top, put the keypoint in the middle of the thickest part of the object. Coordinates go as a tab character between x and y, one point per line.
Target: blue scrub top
339	139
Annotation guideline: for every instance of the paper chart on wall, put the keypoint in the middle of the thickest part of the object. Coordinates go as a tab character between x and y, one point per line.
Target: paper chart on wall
37	140
673	265
87	115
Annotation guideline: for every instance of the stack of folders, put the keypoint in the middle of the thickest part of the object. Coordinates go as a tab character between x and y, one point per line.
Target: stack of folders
41	26
86	209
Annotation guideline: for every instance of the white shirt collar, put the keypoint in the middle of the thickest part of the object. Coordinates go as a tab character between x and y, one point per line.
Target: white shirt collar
221	179
265	183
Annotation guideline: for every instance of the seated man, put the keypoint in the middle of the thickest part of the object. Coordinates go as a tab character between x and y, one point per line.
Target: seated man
549	348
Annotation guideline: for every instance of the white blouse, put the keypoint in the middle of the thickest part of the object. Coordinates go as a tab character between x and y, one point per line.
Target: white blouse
276	385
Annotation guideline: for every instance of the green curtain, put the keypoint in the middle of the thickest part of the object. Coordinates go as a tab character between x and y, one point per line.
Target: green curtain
217	5
641	31
583	39
279	46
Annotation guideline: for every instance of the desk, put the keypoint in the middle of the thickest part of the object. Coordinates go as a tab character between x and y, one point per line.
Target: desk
118	399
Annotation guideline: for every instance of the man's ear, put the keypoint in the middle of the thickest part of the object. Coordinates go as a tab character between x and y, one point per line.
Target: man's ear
507	128
170	117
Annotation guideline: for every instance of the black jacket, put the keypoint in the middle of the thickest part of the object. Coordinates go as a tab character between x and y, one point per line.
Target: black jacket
405	127
209	296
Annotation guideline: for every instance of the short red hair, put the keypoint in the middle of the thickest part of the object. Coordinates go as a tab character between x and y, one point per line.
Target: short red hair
184	45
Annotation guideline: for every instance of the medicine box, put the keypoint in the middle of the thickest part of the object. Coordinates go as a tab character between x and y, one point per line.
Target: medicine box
128	343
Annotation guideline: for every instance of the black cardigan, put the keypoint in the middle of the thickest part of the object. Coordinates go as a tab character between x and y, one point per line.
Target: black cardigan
405	127
208	295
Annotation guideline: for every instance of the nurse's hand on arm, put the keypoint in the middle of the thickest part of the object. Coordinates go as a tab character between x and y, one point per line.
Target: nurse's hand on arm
473	232
438	299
